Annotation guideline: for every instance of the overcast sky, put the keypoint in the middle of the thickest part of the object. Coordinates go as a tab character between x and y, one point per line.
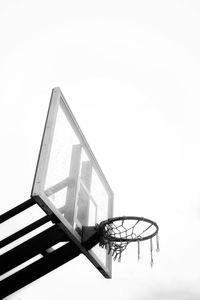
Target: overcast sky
130	71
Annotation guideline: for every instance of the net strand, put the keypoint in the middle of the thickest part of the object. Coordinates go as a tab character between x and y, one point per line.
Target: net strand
138	251
157	243
151	250
144	230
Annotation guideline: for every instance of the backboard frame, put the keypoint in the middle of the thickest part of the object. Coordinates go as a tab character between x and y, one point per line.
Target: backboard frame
57	99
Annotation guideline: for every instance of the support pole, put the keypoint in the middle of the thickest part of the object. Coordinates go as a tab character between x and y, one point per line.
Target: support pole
13	237
38	244
31	248
16	210
37	269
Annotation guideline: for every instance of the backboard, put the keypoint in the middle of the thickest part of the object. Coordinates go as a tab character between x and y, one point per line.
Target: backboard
69	181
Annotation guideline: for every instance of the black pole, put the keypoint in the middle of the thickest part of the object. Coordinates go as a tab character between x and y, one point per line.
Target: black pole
16	210
24	231
37	269
44	265
31	248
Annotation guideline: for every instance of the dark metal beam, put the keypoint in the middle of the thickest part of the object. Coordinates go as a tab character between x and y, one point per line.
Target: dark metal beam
37	269
24	231
31	248
16	210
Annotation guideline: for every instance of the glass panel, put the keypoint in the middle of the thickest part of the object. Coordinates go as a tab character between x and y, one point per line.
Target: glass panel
61	151
101	197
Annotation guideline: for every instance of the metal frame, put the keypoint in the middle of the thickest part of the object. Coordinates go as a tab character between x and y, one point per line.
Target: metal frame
38	193
17	256
16	268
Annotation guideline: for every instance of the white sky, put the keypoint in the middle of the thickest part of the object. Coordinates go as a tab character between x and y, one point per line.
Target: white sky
130	72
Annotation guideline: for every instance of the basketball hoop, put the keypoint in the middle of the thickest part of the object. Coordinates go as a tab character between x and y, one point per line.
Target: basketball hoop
117	233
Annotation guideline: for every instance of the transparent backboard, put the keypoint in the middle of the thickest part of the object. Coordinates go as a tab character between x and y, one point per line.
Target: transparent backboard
69	181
